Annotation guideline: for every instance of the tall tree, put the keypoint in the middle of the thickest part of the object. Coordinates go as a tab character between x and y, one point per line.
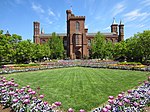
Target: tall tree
98	46
56	46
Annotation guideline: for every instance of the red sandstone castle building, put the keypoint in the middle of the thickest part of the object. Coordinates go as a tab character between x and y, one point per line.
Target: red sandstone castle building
77	40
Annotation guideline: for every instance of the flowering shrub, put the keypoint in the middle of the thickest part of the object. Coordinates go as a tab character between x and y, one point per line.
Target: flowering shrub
133	101
73	63
24	99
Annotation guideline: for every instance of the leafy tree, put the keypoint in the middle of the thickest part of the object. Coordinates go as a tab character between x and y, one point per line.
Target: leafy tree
100	48
144	45
56	46
119	50
109	47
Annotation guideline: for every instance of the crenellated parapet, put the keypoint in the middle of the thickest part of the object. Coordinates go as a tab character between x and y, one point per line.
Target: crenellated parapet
77	17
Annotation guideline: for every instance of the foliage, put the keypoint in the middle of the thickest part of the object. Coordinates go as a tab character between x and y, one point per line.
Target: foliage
129	63
56	46
100	48
135	48
26	65
15	50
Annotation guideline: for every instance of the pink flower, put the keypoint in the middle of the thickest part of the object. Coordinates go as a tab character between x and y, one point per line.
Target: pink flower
110	101
11	89
21	90
33	92
16	85
26	101
57	103
135	104
120	96
17	90
45	103
15	100
120	103
148	92
81	110
70	110
1	85
129	91
33	98
28	86
126	100
104	110
24	88
29	90
9	83
15	94
122	93
111	97
26	96
41	96
108	107
53	106
145	82
11	93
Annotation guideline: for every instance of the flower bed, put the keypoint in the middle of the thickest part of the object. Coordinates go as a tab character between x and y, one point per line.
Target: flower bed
134	101
73	63
24	99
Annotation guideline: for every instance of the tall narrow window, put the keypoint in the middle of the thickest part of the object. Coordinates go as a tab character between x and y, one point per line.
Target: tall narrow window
77	26
77	39
89	42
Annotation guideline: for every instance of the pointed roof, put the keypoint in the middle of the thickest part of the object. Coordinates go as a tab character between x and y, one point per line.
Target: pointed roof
114	21
7	33
42	31
121	23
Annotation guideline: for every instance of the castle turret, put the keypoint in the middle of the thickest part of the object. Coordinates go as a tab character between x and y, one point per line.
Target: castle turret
36	32
121	32
7	33
114	27
42	31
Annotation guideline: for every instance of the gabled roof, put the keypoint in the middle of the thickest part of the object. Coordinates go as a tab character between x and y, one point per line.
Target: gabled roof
59	34
106	34
87	34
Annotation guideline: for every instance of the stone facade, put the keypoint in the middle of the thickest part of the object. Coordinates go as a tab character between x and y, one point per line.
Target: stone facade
77	40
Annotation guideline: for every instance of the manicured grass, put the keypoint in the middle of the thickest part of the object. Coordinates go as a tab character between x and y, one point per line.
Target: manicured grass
80	88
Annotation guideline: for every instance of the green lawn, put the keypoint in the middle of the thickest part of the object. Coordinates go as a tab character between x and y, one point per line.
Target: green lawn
80	88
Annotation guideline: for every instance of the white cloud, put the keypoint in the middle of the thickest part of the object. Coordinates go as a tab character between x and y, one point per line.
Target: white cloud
51	13
107	28
145	2
49	21
140	25
135	14
37	8
118	8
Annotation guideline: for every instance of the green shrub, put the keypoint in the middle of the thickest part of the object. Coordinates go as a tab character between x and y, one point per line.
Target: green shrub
26	65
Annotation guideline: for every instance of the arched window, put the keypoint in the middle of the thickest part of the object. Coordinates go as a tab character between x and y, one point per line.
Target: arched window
43	41
89	42
77	26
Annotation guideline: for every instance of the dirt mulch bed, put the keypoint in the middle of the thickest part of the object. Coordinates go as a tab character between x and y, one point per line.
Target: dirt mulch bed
2	109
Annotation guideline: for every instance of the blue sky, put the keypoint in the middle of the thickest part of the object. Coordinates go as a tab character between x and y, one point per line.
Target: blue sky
18	15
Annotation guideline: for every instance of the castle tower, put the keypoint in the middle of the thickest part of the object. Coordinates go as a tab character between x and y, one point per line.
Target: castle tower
114	27
121	32
36	26
76	37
